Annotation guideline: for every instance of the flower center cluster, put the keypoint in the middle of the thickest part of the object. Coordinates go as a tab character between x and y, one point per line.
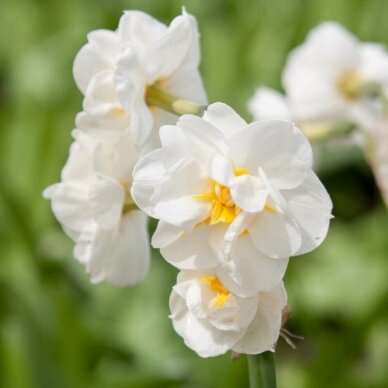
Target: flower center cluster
223	207
217	287
349	85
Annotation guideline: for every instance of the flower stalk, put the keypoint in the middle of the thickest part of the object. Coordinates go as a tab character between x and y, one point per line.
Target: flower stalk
261	370
173	104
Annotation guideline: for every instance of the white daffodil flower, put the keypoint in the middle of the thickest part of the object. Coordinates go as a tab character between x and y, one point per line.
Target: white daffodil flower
93	204
147	63
212	320
375	146
267	104
332	74
218	174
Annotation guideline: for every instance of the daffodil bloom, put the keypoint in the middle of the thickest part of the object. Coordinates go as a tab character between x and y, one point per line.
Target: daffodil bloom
212	319
267	104
220	180
93	204
332	75
146	63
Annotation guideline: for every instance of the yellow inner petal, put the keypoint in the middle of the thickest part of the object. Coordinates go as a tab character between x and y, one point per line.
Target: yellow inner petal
216	286
349	85
223	207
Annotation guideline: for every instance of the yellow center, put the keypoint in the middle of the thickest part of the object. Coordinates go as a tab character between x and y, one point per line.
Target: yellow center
223	207
349	85
217	287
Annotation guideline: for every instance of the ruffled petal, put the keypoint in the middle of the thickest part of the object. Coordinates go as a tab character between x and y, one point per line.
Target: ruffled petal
224	118
96	56
264	330
310	205
190	251
280	149
275	235
249	271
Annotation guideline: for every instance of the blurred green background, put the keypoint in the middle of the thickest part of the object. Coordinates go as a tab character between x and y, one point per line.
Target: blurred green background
57	330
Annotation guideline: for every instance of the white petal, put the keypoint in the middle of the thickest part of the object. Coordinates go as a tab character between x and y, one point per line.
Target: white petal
199	335
120	257
69	202
207	136
249	271
374	62
279	148
186	82
106	201
184	212
79	165
139	28
174	198
224	118
191	251
96	56
311	207
248	193
264	331
267	104
274	234
146	175
165	234
167	54
221	170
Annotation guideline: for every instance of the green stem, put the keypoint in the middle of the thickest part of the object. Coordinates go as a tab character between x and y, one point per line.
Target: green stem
261	370
267	370
173	104
252	372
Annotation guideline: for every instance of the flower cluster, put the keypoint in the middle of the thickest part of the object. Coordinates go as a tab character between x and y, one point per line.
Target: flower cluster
334	84
234	200
120	72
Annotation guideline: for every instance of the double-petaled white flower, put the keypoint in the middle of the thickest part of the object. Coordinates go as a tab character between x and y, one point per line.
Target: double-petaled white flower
332	75
141	61
94	206
212	319
224	188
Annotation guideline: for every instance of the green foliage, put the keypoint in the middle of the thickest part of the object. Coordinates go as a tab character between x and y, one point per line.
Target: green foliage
57	330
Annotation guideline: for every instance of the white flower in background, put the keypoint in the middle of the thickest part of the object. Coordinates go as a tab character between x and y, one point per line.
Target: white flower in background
268	104
142	59
212	320
375	145
94	206
217	174
332	74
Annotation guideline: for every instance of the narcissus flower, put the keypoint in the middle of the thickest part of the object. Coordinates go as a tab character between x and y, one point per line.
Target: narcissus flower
212	319
332	74
94	206
217	174
268	104
143	60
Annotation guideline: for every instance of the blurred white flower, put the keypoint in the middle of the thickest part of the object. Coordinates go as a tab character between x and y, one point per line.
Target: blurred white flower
217	174
93	204
212	319
375	145
142	58
268	104
332	74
